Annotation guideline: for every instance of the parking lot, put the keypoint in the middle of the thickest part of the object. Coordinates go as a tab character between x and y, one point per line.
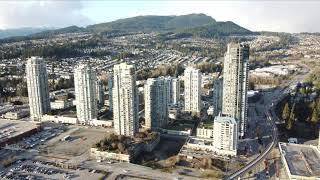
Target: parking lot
38	170
11	128
40	137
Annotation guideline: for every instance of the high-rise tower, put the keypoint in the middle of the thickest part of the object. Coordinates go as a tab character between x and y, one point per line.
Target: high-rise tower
85	91
156	102
125	100
38	90
173	90
235	84
192	90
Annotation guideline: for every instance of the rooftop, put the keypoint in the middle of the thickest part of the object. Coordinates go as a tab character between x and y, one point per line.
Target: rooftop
206	124
224	119
12	128
180	125
302	160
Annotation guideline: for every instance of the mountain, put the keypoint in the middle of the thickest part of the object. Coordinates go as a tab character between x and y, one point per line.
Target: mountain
197	25
139	23
70	29
218	29
21	31
189	21
154	23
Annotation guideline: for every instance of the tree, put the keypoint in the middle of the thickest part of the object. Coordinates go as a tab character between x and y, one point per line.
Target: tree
121	147
315	117
318	105
292	112
251	85
291	119
286	112
112	137
22	89
289	124
101	144
113	145
258	132
303	91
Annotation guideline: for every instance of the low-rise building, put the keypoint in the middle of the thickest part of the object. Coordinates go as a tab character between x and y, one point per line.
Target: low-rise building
103	123
105	155
74	120
60	119
15	115
196	147
225	135
205	128
205	133
301	162
177	132
220	138
61	104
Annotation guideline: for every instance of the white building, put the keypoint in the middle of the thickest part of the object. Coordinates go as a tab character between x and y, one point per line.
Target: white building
156	102
125	100
61	104
205	133
192	90
74	120
100	92
85	92
235	84
18	114
173	90
210	111
38	90
225	135
110	86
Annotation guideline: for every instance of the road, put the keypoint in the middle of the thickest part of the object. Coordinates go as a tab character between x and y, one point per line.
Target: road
263	155
277	96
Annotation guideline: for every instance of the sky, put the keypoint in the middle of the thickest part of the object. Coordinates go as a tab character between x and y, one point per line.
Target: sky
256	15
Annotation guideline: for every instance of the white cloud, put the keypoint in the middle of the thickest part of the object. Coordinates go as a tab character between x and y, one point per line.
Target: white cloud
287	16
48	13
256	15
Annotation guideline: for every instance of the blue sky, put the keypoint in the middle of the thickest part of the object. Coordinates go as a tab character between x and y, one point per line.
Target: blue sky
257	15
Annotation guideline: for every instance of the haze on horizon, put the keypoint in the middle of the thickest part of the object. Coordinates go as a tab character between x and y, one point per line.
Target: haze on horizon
280	16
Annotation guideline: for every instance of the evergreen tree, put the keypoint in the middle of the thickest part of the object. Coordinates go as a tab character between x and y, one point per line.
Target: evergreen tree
315	117
303	91
286	112
292	112
289	124
318	105
291	119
